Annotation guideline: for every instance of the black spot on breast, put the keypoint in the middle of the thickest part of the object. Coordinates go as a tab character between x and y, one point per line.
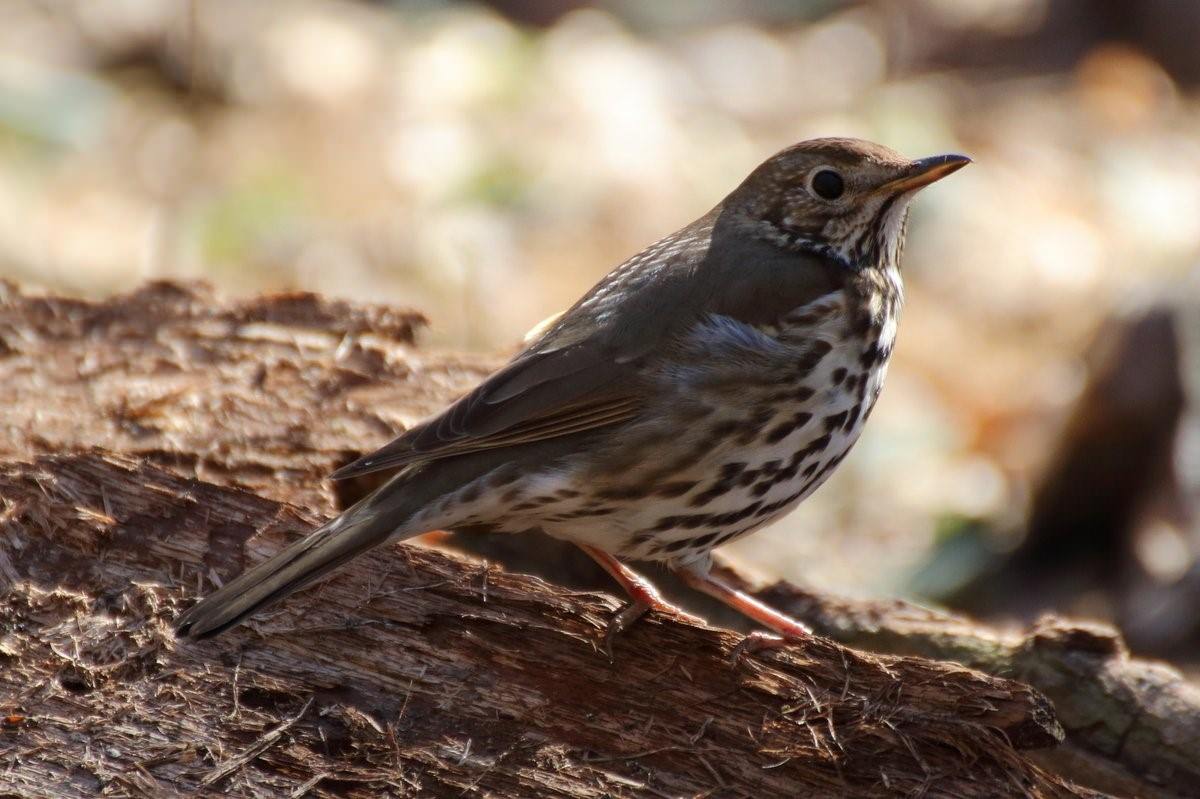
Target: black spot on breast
824	470
838	375
583	513
835	421
732	469
752	426
690	521
721	539
733	517
779	432
813	356
784	429
719	488
676	489
627	492
730	473
871	356
817	445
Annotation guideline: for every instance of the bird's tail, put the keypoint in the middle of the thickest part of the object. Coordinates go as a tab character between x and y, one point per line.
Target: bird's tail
358	529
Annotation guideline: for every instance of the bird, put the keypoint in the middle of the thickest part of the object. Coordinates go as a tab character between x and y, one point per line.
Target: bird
698	392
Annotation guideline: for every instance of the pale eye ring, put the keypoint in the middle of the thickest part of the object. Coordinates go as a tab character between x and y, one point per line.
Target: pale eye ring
826	183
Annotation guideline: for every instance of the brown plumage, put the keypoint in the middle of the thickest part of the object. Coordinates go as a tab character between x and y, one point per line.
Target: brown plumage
696	393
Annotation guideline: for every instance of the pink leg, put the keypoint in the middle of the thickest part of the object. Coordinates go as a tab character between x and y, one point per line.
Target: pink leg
643	593
789	629
640	590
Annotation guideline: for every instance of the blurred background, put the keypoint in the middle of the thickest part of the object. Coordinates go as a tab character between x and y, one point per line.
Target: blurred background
486	163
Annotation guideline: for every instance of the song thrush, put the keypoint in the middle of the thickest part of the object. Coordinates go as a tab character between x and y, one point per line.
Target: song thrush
695	394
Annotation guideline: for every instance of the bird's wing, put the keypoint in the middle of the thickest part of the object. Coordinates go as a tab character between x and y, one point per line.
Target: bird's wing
578	375
583	373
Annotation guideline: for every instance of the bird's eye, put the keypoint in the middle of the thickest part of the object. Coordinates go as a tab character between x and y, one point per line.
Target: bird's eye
827	184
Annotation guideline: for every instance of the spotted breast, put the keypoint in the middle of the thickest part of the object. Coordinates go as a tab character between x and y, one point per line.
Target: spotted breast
768	412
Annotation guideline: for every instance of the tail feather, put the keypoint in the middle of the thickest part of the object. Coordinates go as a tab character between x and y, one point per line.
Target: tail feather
296	567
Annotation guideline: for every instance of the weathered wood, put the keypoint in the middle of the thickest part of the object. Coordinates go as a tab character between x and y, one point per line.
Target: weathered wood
1134	725
430	675
271	393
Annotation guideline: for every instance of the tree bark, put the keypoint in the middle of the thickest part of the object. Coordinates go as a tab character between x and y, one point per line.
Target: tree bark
1133	725
270	393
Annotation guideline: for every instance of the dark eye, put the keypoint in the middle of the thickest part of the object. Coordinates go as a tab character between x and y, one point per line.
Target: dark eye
828	184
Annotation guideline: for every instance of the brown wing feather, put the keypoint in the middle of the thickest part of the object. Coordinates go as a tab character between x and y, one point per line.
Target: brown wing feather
570	420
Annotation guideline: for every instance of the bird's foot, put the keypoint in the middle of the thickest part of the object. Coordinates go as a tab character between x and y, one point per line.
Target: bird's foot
621	621
627	616
785	629
644	596
759	641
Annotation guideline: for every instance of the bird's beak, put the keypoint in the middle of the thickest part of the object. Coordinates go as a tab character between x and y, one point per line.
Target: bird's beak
923	171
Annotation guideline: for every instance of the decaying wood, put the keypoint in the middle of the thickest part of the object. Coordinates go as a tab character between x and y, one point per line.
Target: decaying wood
1134	725
431	675
270	394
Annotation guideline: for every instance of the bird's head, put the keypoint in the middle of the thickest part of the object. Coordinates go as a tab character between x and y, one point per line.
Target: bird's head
845	198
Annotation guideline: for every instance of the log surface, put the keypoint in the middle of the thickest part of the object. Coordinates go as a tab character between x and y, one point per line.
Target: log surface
271	393
416	673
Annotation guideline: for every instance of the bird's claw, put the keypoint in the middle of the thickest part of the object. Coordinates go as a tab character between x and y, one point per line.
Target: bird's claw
621	621
760	641
625	618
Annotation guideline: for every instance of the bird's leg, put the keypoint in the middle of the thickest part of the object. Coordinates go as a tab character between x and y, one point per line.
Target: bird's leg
788	629
642	593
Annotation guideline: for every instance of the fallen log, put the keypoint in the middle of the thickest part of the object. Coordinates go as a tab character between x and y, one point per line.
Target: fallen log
1133	725
271	393
416	672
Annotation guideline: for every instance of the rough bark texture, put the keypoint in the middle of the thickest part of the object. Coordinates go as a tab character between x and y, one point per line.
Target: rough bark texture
1133	726
410	655
270	393
413	672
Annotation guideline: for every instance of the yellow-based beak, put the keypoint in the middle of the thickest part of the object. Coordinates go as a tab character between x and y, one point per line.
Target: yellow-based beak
924	171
